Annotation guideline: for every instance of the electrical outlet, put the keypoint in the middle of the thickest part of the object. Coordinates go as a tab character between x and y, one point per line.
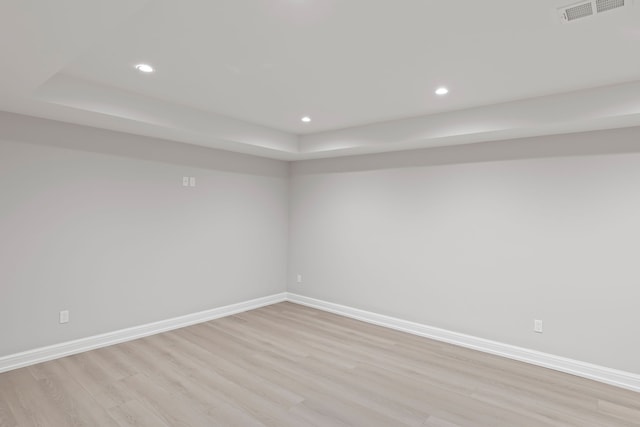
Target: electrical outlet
64	316
192	181
185	181
537	326
299	278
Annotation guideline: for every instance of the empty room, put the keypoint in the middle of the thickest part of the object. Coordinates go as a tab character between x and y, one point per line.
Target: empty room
320	213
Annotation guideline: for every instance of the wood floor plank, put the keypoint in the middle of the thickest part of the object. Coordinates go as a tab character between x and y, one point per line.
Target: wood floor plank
172	408
619	411
134	413
6	414
114	394
290	365
27	401
65	392
437	422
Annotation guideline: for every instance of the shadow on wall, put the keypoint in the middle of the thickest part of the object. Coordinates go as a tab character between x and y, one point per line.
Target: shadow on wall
617	141
38	131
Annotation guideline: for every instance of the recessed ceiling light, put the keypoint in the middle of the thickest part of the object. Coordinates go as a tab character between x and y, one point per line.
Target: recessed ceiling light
144	68
306	119
442	91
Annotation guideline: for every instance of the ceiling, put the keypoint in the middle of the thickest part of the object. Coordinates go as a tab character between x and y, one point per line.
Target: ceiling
240	74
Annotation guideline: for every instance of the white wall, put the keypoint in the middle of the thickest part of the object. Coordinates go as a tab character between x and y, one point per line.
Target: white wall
482	239
479	239
98	223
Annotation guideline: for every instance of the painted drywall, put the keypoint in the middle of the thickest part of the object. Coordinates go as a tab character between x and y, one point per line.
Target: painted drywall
479	239
98	223
483	239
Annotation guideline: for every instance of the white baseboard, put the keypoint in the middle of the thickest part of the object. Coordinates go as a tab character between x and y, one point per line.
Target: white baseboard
56	351
602	374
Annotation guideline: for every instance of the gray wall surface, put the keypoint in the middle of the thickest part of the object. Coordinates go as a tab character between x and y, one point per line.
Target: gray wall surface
483	239
479	239
98	223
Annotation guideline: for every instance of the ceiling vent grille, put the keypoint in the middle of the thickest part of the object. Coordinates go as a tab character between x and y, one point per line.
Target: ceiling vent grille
578	11
588	8
604	5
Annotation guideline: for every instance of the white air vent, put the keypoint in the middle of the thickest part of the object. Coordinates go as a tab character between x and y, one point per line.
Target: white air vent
589	8
604	5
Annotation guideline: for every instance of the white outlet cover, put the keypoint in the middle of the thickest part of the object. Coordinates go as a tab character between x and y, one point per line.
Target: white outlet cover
192	181
185	181
537	326
64	316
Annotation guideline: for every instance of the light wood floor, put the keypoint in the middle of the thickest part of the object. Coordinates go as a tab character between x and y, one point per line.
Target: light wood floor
288	365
